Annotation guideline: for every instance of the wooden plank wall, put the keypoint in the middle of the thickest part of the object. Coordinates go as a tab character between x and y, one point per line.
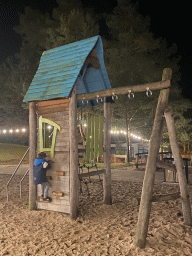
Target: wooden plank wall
58	112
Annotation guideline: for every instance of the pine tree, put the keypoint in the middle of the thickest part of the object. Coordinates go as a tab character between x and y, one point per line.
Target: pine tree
76	26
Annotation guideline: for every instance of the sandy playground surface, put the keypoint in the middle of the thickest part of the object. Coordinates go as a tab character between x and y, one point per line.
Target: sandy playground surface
99	229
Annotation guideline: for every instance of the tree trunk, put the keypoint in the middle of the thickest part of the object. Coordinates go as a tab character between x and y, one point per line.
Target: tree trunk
179	166
74	180
107	153
148	183
32	154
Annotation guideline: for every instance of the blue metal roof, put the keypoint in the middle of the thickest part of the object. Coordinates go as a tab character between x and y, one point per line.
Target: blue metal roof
59	70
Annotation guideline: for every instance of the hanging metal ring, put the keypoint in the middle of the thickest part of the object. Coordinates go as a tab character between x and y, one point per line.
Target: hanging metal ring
148	92
83	101
130	94
114	96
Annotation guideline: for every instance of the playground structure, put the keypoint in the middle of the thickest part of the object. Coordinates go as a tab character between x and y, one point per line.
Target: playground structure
57	107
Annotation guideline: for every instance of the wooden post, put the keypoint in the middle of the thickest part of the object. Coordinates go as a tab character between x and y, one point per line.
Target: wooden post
32	154
179	166
148	183
107	153
74	180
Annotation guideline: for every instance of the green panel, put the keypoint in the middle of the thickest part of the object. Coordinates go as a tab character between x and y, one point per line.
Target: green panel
96	136
100	136
92	137
88	134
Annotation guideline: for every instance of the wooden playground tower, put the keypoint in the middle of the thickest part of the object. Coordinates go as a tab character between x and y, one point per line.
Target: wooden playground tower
64	170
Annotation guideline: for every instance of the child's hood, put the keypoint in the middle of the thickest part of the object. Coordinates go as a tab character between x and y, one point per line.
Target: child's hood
38	161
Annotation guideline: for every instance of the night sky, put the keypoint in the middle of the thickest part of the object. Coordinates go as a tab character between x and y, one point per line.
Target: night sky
167	21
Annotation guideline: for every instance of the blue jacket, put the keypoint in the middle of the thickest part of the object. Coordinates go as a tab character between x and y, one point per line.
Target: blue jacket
39	173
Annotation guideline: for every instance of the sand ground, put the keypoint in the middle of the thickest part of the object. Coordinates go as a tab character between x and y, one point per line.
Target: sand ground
99	229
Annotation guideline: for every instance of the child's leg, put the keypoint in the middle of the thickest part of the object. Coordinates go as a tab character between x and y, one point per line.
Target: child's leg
42	190
46	185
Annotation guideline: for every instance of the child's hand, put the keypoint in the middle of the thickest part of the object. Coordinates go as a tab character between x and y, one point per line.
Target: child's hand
45	165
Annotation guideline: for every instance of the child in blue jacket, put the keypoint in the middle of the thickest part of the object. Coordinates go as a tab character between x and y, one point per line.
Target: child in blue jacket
39	176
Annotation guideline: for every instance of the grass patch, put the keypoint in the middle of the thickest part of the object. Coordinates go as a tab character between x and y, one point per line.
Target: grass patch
12	153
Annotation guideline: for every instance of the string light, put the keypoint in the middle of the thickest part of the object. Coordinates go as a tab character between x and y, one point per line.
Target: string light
11	131
131	134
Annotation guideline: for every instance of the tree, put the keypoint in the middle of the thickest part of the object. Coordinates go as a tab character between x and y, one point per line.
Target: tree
132	55
76	26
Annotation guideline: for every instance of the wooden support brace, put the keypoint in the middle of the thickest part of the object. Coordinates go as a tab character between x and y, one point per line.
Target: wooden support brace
107	152
89	174
136	200
186	206
74	179
32	154
148	182
169	166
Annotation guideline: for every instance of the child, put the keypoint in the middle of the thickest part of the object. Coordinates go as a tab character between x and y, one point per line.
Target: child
39	176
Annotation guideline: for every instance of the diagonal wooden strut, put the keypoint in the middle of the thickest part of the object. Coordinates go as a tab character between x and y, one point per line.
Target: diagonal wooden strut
148	183
186	207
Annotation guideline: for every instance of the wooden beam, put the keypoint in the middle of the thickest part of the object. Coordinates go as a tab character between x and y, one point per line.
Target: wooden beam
89	174
186	206
124	90
107	153
148	183
136	200
169	166
32	154
74	180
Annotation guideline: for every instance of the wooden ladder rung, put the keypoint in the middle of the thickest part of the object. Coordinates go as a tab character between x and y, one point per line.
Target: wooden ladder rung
58	194
49	177
60	173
